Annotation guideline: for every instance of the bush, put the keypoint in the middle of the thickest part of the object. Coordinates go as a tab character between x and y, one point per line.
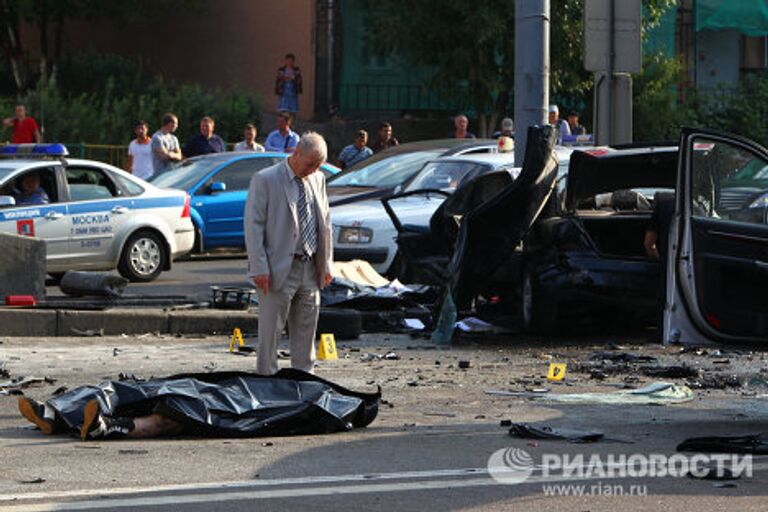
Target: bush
97	99
741	110
657	112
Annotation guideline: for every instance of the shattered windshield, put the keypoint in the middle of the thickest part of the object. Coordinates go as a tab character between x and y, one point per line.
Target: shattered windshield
444	175
388	172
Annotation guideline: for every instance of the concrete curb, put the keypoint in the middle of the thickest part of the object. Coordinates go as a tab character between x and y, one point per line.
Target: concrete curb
30	322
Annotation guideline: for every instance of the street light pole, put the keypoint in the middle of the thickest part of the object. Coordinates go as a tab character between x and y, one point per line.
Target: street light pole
531	69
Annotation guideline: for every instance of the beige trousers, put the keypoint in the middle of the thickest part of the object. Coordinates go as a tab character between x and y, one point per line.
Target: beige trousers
298	302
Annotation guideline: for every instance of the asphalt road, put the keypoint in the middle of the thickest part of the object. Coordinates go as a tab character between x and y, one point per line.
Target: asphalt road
428	451
192	279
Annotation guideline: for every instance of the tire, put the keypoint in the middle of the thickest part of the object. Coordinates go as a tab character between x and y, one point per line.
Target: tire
344	324
55	278
539	313
143	258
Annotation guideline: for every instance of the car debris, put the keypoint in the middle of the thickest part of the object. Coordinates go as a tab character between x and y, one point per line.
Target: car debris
92	284
749	444
657	393
15	385
528	431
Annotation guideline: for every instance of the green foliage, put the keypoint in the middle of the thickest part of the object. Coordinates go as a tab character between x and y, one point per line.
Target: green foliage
741	110
657	114
470	46
104	117
92	72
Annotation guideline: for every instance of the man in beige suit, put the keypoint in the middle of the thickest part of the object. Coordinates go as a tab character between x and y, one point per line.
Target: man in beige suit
288	238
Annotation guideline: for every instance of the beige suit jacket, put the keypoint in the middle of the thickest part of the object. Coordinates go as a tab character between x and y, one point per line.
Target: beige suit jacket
272	224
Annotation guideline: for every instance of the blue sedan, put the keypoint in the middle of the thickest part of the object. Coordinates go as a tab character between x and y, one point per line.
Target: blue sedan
218	185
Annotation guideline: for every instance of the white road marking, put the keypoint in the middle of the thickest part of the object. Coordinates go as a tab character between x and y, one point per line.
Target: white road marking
297	487
329	479
293	492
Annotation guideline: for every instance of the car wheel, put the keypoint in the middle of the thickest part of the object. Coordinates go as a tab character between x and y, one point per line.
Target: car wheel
539	313
344	324
143	258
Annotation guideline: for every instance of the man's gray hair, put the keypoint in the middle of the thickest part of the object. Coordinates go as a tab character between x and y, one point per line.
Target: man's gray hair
313	143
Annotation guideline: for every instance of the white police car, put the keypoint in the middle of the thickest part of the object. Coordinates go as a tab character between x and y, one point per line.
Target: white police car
92	216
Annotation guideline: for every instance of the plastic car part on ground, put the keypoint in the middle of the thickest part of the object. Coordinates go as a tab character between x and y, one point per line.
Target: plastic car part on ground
95	284
658	393
754	444
228	404
526	431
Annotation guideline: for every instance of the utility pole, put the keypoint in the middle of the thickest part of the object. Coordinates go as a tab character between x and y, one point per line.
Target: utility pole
613	51
531	69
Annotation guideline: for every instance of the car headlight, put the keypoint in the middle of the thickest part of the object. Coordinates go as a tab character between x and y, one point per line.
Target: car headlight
355	235
760	202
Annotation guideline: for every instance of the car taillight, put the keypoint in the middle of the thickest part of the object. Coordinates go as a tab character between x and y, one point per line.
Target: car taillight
185	210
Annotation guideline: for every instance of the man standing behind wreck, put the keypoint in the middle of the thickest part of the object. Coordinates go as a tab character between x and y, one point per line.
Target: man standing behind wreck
289	243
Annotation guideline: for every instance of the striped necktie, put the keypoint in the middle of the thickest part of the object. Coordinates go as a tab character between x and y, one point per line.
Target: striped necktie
307	226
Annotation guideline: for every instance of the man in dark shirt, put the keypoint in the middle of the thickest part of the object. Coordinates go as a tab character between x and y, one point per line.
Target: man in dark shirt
205	142
386	139
656	243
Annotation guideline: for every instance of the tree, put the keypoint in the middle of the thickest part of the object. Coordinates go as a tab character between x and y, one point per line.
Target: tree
49	18
470	47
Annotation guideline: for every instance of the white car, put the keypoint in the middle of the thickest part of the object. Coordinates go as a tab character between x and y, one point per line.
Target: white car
363	230
97	217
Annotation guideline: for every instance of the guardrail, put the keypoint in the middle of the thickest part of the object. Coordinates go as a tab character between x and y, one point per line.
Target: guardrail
113	154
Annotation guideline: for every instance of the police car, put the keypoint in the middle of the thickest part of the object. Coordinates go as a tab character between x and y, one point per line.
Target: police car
92	216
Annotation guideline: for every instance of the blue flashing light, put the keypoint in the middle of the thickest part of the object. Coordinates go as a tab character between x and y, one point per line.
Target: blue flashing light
577	139
53	149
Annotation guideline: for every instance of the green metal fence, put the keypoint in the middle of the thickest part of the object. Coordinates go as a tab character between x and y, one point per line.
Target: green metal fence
114	154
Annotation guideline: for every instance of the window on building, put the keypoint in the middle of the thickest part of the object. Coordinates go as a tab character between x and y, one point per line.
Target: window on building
753	53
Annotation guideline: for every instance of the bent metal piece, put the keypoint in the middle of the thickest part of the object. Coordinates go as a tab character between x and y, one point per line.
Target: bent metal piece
489	233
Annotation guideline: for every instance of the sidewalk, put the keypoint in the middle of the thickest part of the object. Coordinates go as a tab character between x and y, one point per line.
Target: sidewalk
68	322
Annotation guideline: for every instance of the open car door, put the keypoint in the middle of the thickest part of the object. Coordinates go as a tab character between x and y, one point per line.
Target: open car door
488	234
718	258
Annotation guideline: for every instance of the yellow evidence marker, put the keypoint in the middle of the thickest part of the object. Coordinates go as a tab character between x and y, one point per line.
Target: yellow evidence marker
327	347
556	371
237	337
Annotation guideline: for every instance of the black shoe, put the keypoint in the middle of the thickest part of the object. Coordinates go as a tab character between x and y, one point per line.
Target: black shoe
34	411
98	426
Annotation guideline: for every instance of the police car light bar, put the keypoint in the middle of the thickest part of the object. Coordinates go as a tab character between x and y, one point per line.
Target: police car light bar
574	140
26	150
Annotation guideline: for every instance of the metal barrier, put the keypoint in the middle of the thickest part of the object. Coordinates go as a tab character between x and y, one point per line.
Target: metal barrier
372	97
113	154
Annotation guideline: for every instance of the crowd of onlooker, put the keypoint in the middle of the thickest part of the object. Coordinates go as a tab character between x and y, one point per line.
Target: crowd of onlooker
150	155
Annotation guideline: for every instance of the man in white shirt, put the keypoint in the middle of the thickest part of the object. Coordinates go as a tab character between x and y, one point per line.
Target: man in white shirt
249	143
140	153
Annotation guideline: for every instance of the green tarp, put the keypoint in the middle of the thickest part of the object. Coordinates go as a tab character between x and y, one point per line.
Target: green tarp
750	17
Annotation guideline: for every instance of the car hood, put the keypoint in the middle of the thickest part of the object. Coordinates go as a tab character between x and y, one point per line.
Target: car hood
489	233
346	195
592	172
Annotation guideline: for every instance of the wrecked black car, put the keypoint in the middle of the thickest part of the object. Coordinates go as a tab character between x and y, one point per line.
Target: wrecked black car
557	256
588	258
577	256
